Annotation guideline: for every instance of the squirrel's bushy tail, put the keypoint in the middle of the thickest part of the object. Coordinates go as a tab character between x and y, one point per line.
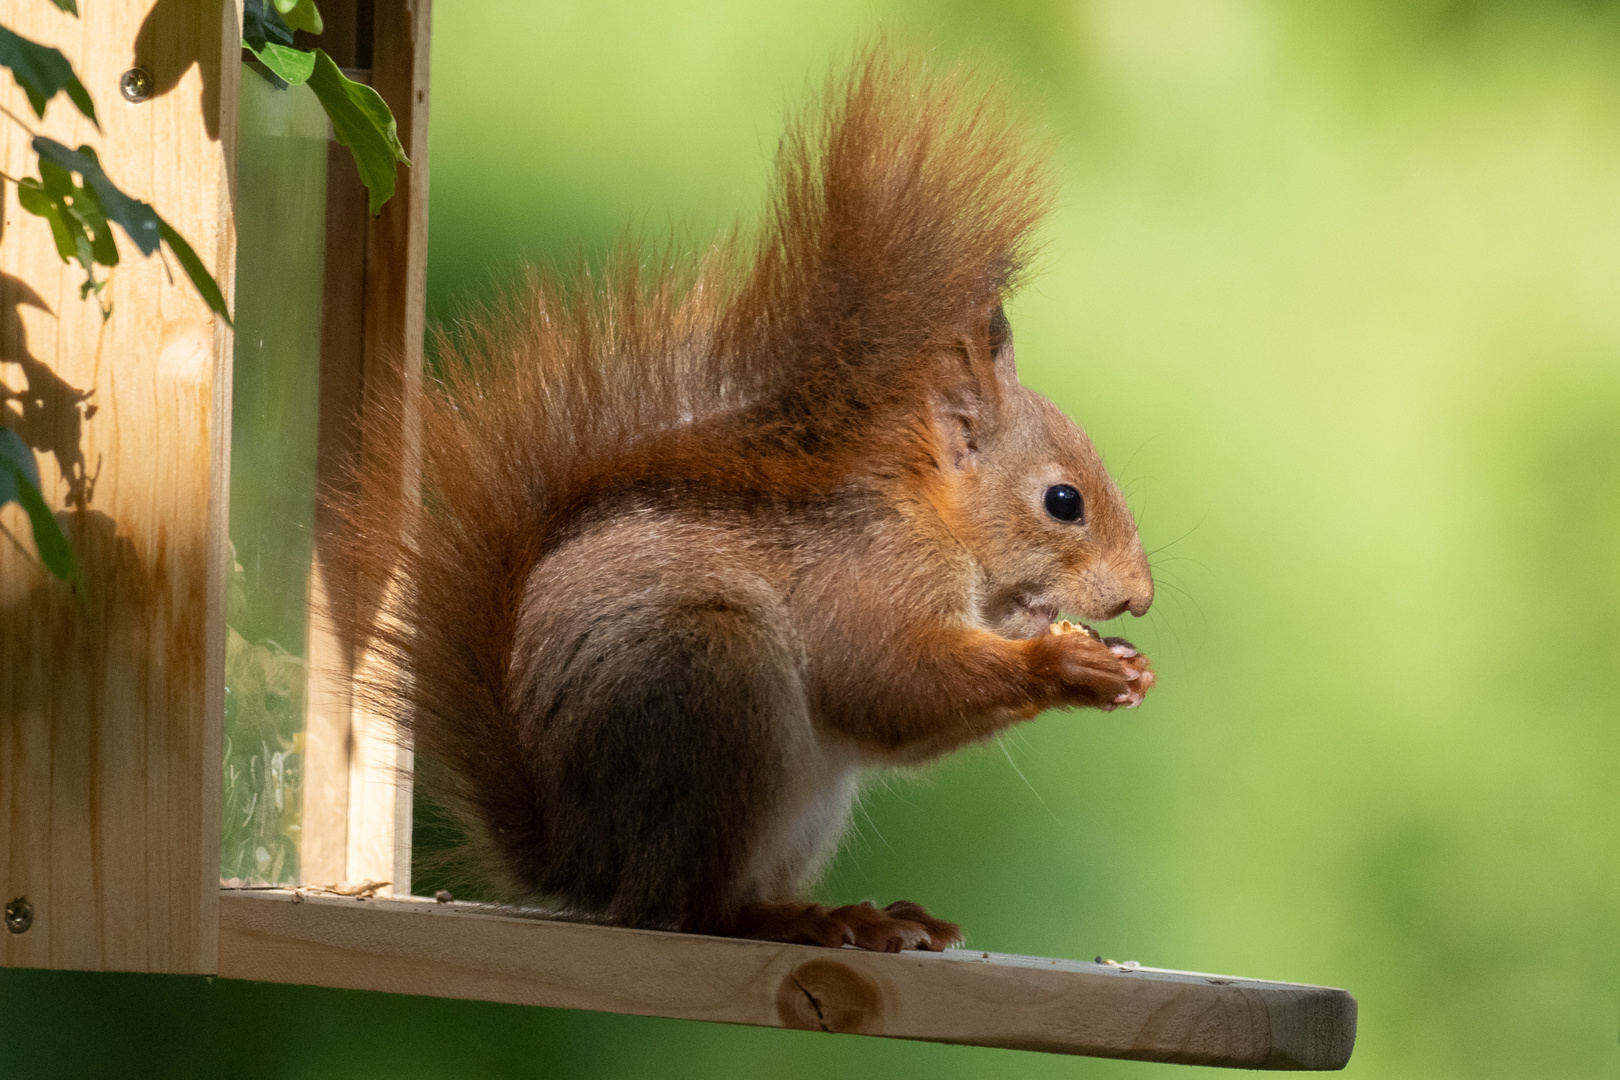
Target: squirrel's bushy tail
902	200
457	488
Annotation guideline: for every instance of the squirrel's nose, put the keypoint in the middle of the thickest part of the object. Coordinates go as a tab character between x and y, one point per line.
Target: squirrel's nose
1136	605
1136	581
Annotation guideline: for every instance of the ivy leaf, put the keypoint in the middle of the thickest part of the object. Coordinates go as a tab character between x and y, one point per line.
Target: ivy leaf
138	220
31	194
16	463
43	73
78	204
54	550
301	15
87	209
19	482
361	121
79	216
78	223
271	39
262	23
68	6
195	270
291	66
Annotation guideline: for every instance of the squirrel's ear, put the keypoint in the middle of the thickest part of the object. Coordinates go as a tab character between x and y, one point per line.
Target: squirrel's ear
956	429
1001	348
972	403
988	370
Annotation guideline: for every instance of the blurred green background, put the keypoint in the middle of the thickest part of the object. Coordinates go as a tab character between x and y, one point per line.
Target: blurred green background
1335	285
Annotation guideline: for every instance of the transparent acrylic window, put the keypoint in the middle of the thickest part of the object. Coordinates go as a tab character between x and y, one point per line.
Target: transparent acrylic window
280	240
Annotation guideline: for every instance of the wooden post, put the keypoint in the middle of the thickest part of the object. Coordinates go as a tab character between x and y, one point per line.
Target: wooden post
357	800
110	704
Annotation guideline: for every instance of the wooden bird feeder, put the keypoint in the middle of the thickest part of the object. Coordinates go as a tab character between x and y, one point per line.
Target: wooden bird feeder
114	703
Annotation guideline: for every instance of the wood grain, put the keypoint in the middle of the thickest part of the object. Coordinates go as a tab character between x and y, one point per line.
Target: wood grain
395	324
357	804
329	707
962	996
110	706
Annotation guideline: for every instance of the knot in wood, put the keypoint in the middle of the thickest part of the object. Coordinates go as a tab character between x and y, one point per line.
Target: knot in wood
825	995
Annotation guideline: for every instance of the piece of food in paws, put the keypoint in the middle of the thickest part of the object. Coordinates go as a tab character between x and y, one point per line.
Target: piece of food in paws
1064	626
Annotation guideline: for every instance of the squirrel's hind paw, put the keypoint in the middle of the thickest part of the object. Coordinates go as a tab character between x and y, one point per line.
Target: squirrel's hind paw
900	926
941	934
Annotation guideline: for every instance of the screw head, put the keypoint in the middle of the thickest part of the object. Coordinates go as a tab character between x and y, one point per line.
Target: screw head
137	84
19	915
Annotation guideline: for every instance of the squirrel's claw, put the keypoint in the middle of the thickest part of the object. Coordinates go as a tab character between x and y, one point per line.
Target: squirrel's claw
1120	647
1138	673
901	926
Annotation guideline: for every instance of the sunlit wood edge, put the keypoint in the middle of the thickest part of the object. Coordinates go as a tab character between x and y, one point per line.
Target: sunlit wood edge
478	952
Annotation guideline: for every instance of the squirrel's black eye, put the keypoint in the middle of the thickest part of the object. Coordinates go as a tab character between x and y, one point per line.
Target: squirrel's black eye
1065	503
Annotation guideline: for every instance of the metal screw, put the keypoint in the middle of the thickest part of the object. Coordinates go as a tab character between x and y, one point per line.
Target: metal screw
137	85
19	915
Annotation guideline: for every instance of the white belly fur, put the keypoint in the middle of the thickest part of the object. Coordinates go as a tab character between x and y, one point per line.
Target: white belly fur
811	815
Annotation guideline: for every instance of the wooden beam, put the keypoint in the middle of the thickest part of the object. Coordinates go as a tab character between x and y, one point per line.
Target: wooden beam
357	801
962	996
379	835
329	705
110	705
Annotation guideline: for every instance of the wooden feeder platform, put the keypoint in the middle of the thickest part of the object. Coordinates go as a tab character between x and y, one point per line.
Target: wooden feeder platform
486	953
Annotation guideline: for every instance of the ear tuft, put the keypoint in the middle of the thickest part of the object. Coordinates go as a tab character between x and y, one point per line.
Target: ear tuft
1001	347
902	213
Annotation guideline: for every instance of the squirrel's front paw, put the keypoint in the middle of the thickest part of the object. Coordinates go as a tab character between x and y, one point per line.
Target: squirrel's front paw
1139	677
1097	671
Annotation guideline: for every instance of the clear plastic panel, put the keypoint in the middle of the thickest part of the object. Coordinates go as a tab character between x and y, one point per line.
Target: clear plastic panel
280	242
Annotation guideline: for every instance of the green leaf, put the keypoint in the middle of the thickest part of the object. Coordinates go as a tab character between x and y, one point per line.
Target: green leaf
138	220
291	66
43	73
301	15
79	217
54	550
361	121
19	481
269	37
80	206
16	460
262	23
78	224
87	209
195	270
68	6
31	194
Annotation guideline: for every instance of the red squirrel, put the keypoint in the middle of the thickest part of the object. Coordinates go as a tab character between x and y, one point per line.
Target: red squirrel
697	546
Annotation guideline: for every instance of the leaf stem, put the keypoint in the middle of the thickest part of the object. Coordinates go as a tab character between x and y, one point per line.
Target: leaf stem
164	260
21	547
19	121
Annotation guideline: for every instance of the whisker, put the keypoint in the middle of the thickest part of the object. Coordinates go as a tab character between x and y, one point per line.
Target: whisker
1002	743
867	814
1183	536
